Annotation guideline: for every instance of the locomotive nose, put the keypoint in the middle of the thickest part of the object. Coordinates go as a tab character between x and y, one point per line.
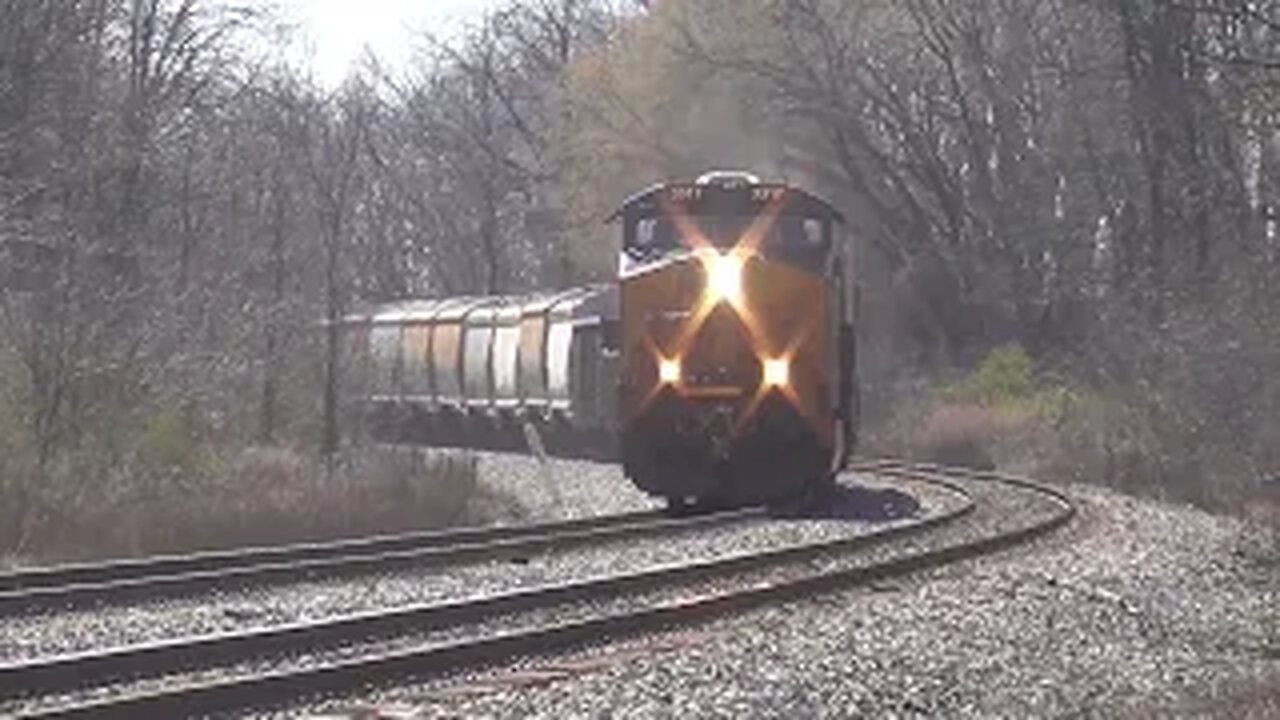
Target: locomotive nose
721	359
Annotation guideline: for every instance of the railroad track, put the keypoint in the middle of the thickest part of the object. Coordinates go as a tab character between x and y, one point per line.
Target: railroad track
81	585
284	664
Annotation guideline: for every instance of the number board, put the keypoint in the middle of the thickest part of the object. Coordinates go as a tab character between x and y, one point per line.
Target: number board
725	198
698	199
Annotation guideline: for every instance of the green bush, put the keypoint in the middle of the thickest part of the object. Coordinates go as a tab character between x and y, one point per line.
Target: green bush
1005	375
167	443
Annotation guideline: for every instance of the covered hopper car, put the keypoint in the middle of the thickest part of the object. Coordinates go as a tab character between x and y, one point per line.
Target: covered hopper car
477	371
719	367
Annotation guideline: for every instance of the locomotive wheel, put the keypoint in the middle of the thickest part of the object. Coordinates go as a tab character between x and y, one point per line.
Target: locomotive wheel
678	506
686	506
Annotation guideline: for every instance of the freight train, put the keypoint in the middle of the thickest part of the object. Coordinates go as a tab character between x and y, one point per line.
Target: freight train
719	367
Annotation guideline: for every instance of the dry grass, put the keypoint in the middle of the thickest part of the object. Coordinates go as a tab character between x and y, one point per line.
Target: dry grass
1074	436
1090	441
926	428
959	435
265	496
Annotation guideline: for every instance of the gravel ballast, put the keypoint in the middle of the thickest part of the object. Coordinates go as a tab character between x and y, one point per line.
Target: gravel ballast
554	489
571	611
24	638
1137	608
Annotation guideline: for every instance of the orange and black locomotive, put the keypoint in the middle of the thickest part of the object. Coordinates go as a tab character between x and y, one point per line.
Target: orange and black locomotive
719	368
736	341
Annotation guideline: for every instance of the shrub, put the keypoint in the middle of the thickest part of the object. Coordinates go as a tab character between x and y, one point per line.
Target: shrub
166	443
1005	375
264	496
964	422
1184	411
960	435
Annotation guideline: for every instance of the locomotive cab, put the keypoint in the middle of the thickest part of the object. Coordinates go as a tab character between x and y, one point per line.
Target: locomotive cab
736	334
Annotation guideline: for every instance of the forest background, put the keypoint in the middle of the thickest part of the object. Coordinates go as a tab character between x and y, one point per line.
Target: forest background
1063	213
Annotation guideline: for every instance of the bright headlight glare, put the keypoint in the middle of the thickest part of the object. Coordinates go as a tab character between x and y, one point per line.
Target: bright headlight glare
724	277
669	371
777	372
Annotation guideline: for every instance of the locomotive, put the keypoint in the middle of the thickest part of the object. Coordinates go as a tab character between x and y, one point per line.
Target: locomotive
718	369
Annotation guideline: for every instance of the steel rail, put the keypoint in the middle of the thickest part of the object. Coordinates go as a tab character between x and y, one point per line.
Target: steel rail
69	673
135	568
80	584
296	563
353	675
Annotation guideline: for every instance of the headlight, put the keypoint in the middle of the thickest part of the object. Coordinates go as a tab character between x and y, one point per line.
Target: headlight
724	277
776	371
669	371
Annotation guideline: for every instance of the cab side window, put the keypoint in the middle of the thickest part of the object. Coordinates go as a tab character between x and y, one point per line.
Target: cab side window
805	240
650	237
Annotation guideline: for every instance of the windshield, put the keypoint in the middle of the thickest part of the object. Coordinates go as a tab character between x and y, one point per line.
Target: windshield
786	235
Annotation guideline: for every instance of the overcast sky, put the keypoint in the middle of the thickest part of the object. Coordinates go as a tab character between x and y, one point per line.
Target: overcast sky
337	31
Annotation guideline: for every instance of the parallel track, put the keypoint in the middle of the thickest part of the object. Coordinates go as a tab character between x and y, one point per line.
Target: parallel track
138	568
74	673
81	585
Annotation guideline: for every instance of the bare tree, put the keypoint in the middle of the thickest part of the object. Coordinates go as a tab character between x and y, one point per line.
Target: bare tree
331	141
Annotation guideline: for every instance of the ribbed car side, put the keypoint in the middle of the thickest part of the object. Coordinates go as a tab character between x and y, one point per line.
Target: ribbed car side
477	372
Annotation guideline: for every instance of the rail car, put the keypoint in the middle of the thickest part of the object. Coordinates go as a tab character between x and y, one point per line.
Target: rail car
719	368
480	372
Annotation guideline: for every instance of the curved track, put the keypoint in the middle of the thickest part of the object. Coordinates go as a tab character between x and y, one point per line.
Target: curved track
80	585
163	679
